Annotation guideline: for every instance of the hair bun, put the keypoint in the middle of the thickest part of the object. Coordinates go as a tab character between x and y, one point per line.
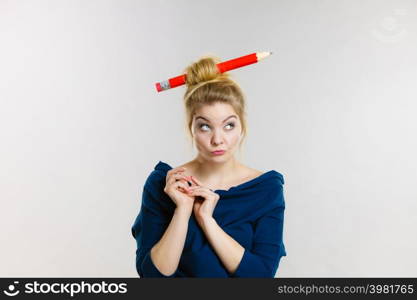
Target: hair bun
205	69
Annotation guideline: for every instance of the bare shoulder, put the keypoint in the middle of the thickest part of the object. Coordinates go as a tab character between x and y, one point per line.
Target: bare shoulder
252	173
189	167
185	165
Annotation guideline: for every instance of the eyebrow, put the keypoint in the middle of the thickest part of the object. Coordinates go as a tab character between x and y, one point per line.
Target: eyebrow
200	117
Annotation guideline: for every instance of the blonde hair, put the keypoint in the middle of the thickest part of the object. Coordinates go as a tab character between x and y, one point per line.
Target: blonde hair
207	86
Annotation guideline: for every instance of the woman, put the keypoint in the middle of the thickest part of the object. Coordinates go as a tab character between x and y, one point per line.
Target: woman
212	216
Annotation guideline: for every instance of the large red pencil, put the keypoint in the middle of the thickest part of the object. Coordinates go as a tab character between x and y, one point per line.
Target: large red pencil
223	67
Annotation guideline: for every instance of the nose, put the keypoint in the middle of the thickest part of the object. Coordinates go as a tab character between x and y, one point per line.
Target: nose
217	138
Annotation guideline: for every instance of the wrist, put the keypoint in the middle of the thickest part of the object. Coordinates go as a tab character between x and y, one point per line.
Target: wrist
207	221
183	210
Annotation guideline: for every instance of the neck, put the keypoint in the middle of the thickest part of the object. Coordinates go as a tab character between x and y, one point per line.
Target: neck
209	171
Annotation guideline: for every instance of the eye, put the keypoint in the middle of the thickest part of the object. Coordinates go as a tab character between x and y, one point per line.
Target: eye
231	124
200	126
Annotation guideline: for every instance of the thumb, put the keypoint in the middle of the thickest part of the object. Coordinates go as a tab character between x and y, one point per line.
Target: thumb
196	206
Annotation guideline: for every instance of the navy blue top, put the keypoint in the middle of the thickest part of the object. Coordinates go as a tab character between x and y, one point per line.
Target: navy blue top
252	213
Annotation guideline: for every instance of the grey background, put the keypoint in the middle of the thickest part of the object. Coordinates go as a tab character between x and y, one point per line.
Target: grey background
82	126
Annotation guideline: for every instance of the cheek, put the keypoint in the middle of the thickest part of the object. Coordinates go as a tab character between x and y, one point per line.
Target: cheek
200	141
200	138
234	138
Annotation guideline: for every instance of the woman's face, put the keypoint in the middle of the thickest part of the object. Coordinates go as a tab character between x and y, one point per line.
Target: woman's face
216	127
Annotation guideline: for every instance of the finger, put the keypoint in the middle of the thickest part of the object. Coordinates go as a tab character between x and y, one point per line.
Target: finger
201	188
199	192
198	182
175	177
176	170
186	180
189	180
204	193
194	187
170	178
181	185
181	176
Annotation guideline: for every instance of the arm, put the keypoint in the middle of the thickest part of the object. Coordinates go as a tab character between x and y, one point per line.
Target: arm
160	238
227	249
166	253
260	261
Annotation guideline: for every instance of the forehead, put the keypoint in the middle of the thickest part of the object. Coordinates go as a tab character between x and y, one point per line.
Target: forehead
216	112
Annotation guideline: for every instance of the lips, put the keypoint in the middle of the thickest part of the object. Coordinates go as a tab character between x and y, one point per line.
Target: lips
218	152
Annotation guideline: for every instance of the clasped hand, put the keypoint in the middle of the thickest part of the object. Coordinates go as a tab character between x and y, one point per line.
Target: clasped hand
205	199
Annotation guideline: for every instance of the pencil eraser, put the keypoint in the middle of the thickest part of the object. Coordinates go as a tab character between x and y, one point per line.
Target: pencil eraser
158	87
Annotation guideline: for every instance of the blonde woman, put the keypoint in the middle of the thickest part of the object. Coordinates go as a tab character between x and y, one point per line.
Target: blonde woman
212	216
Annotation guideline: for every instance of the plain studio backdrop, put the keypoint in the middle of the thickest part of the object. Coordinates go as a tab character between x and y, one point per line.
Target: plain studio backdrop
82	126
